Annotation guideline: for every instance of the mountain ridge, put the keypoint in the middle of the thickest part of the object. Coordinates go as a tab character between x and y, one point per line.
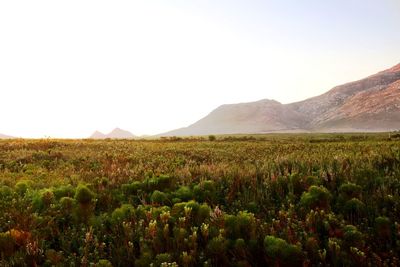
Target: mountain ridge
3	136
117	133
369	104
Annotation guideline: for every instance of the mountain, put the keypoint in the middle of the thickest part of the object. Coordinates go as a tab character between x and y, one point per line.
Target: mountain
3	136
98	135
255	117
117	133
370	104
356	106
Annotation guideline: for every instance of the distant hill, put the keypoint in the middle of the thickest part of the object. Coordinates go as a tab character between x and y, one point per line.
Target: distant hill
98	135
368	105
117	133
255	117
3	136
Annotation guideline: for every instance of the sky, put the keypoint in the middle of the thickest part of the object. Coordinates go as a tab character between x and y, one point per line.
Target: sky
68	68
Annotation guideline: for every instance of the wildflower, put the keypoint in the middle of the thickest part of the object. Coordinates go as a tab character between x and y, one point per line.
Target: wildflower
204	230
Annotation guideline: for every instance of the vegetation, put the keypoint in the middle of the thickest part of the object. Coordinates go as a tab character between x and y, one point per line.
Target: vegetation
271	200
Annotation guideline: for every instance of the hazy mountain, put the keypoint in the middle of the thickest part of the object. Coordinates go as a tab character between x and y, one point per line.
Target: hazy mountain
117	133
3	136
255	117
370	104
98	135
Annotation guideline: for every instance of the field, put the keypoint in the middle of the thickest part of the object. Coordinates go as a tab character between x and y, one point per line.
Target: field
272	200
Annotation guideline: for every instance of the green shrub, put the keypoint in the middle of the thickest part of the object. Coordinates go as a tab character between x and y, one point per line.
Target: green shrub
178	209
278	250
199	213
64	191
84	195
162	258
316	197
202	214
217	248
184	193
132	188
205	191
159	197
116	196
67	204
6	192
166	182
22	187
176	200
240	226
47	197
349	191
352	237
125	212
252	207
37	203
389	204
194	206
42	200
161	183
103	263
354	209
157	211
240	245
141	211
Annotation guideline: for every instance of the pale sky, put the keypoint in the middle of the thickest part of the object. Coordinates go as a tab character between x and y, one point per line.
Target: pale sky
68	68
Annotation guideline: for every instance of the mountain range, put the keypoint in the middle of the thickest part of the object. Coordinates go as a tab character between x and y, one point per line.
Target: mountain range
117	133
3	136
371	104
368	105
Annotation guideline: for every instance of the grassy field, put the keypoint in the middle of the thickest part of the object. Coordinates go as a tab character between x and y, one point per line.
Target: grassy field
263	200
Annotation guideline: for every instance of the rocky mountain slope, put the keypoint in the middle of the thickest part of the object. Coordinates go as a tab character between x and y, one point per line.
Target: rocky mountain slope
370	104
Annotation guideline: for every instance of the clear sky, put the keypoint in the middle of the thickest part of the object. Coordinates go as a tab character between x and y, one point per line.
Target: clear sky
68	68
